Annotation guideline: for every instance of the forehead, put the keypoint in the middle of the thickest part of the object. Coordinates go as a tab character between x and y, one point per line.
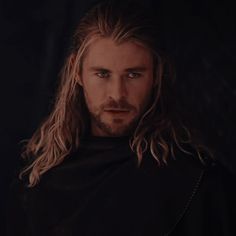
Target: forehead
106	52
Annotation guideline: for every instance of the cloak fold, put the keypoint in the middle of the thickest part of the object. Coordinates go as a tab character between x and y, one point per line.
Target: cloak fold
100	191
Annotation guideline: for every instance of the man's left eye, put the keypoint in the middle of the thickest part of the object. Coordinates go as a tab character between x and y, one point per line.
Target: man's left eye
134	75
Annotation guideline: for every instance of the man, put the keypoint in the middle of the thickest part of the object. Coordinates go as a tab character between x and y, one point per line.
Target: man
112	158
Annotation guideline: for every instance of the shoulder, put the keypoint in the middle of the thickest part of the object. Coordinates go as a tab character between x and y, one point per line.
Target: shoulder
213	170
219	181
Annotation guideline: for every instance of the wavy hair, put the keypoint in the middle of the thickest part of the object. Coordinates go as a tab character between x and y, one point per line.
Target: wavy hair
159	130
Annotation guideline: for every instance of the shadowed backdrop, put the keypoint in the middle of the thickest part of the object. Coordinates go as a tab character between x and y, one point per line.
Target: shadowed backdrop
199	36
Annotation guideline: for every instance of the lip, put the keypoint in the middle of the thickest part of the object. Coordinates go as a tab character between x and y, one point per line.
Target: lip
116	111
120	110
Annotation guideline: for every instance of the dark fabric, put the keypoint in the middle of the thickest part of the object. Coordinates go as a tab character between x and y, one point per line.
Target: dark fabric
100	190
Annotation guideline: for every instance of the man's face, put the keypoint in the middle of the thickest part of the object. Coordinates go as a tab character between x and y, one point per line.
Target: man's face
117	81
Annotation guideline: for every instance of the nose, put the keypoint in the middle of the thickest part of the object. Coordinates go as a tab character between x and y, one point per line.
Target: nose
117	89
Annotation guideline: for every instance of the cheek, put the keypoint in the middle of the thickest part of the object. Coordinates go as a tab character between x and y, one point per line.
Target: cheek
140	94
93	96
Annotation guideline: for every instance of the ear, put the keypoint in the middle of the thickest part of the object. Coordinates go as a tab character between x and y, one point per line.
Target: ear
78	78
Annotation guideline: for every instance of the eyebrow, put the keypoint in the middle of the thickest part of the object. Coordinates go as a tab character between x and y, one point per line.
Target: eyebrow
98	68
136	68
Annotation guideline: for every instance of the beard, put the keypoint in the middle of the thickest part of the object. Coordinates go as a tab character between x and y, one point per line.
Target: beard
115	126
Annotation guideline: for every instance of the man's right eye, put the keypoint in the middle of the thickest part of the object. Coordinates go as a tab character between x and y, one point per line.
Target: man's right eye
102	74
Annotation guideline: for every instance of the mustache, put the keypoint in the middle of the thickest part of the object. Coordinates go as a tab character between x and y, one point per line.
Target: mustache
121	104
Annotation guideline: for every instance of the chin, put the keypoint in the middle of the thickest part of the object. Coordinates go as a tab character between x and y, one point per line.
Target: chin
119	130
117	126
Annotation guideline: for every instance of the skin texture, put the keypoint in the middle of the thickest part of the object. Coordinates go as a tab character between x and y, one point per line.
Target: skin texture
117	81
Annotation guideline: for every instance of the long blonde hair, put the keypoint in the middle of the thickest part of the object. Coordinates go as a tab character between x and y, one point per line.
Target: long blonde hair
158	130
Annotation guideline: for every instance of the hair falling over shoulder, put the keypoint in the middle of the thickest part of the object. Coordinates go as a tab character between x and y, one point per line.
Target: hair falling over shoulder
159	130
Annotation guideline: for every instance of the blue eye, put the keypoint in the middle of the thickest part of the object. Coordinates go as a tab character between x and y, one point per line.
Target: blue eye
102	74
134	75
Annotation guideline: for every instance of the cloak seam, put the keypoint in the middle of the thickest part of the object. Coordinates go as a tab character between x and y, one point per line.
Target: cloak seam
188	203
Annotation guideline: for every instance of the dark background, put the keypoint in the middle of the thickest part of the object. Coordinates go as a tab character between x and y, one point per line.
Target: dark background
199	36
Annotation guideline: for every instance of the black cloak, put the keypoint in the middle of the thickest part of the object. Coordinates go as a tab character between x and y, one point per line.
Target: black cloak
99	190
